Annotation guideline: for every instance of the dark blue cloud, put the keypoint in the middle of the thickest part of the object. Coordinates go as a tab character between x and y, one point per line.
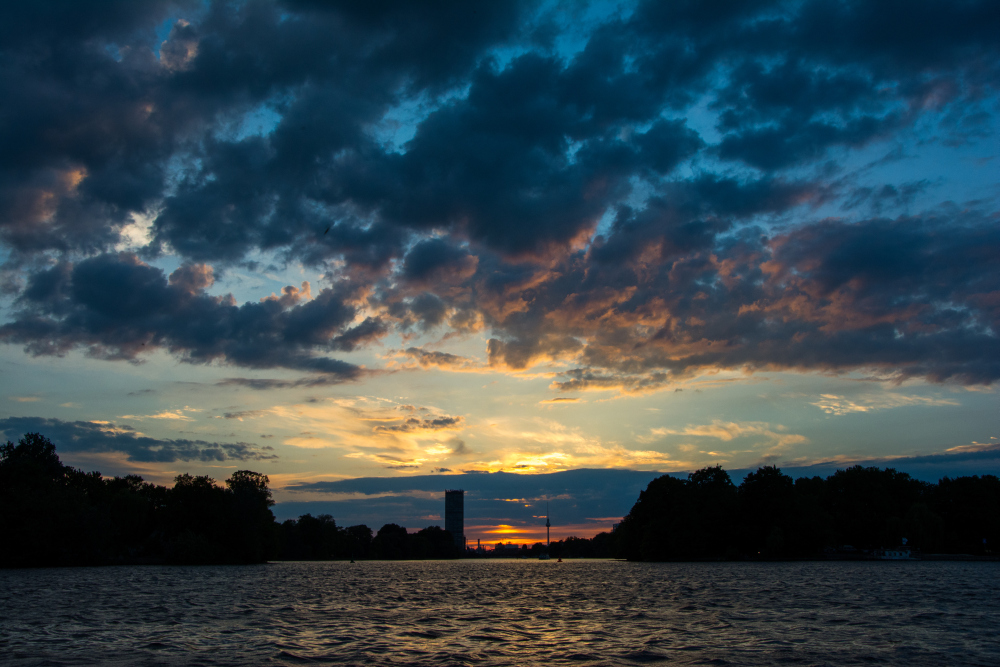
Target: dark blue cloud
439	162
959	462
574	497
116	307
434	260
92	437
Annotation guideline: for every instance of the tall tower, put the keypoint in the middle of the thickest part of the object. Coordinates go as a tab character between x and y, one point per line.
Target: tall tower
454	515
547	525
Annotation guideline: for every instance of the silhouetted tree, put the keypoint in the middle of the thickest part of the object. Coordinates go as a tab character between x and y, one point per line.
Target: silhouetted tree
312	538
969	509
644	532
391	543
714	502
196	521
814	527
252	533
52	514
868	505
602	545
572	547
358	541
767	512
678	519
772	516
433	542
39	508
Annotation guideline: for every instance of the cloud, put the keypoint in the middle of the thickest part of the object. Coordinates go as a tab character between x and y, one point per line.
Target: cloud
265	384
975	448
243	414
416	425
370	330
458	448
436	359
574	497
877	294
726	431
840	405
117	307
962	460
435	261
581	379
564	132
772	441
648	200
94	437
177	415
375	430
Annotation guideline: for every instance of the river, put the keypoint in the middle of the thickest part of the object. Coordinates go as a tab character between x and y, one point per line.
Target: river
504	612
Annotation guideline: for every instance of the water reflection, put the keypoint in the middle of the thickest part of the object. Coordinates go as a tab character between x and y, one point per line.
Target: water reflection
503	612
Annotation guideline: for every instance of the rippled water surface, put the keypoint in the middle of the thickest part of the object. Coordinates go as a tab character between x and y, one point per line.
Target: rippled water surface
504	613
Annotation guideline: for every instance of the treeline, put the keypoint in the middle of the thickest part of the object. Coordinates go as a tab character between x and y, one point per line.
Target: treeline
601	545
56	515
320	538
52	514
769	515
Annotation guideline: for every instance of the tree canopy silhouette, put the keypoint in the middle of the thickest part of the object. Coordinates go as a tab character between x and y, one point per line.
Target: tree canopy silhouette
54	515
769	515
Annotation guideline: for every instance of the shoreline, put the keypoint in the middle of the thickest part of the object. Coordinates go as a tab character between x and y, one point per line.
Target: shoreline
928	558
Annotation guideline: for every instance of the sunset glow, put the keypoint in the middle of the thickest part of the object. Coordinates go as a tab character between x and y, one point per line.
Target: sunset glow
378	254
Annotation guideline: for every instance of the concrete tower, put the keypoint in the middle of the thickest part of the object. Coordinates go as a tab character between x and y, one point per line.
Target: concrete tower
454	515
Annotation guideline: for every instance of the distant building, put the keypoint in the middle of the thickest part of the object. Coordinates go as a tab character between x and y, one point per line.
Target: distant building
454	515
508	548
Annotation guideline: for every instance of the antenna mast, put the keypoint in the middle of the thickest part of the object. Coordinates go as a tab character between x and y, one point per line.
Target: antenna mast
547	524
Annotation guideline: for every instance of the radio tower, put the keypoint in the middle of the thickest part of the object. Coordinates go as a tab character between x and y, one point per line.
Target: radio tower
547	524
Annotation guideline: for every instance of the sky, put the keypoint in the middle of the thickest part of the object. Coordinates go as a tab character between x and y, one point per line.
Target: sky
541	251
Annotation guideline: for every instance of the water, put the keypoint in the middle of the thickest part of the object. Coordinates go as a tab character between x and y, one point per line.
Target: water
504	613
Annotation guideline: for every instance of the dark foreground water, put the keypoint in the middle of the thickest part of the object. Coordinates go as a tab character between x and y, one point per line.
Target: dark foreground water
504	613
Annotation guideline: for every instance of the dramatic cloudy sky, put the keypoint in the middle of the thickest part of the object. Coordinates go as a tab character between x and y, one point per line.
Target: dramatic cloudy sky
341	241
